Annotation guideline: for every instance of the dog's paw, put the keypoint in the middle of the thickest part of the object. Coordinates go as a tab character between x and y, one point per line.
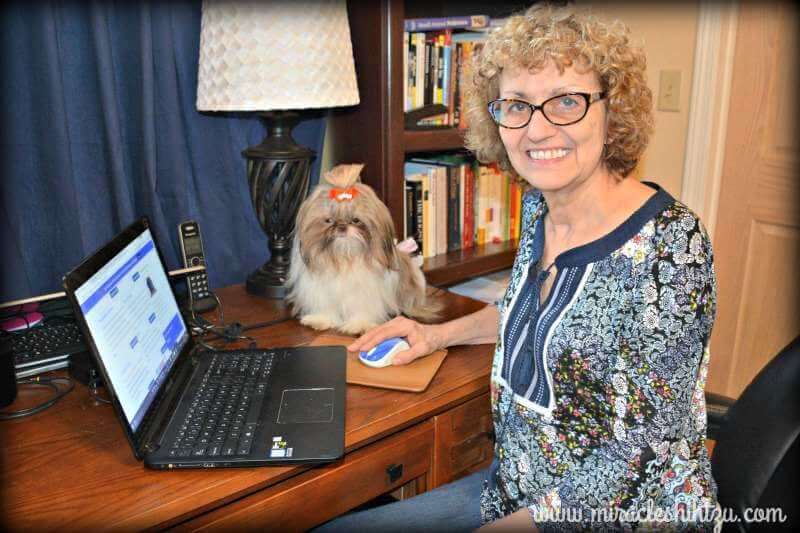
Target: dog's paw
317	321
356	326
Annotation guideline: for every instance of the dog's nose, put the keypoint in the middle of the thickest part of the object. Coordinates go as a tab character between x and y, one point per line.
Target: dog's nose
341	228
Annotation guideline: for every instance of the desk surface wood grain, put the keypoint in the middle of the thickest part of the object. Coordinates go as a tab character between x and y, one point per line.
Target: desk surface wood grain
71	466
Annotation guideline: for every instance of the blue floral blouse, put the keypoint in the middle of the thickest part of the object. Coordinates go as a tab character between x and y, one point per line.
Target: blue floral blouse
597	392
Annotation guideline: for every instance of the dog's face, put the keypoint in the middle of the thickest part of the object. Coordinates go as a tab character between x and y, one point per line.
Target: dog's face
333	230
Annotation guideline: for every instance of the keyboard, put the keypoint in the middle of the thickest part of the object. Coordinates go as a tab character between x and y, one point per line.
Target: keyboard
46	346
222	418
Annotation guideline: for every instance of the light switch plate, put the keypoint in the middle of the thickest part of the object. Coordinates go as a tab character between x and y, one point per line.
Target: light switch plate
669	90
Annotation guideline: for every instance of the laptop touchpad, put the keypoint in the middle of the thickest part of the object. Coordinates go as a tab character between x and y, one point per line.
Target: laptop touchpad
304	406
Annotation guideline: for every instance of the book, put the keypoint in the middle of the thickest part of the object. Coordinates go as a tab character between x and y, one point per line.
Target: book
423	173
468	235
453	211
419	76
406	90
447	218
441	210
441	23
409	210
429	66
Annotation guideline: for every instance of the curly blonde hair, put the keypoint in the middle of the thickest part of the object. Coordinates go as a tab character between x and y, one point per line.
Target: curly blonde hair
546	33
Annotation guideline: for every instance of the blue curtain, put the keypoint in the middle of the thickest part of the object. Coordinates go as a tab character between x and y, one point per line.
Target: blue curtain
99	128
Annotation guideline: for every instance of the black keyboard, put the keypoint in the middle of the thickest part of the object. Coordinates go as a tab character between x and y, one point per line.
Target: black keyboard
46	346
222	418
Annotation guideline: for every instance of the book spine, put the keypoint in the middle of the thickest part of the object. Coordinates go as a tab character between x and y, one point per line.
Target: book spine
465	58
408	211
453	233
481	210
441	23
452	80
512	209
427	219
419	76
406	80
496	234
506	205
418	229
428	65
441	210
438	96
469	206
462	169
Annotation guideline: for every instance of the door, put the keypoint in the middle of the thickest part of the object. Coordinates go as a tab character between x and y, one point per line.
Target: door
757	234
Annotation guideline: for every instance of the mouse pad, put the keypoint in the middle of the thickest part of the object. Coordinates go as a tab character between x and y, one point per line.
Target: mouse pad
413	377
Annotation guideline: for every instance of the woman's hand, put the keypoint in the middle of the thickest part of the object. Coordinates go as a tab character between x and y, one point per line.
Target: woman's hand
516	521
422	338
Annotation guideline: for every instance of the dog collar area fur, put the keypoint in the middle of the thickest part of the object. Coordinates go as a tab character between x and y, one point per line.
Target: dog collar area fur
343	195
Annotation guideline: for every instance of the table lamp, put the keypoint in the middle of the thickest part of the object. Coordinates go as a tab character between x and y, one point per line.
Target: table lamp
275	58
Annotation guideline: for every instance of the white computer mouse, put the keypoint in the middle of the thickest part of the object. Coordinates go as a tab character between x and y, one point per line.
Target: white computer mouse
383	353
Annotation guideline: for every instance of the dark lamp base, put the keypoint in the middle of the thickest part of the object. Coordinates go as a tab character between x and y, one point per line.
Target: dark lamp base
263	284
278	174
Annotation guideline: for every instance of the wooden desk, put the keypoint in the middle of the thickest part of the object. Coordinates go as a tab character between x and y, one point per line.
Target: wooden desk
71	467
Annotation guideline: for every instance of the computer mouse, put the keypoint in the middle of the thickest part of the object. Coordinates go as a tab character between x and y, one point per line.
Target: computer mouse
383	353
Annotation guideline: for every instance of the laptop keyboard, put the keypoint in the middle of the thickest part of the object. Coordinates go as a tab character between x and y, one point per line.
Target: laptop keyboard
45	347
222	418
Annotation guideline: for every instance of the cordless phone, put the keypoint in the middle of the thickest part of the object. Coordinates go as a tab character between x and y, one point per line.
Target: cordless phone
192	252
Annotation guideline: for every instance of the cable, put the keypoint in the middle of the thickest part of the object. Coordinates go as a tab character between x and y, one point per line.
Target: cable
233	332
40	382
95	395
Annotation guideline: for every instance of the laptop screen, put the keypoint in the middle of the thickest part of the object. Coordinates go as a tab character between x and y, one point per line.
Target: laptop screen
134	320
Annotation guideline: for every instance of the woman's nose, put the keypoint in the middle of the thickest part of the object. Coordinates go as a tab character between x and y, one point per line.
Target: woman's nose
539	127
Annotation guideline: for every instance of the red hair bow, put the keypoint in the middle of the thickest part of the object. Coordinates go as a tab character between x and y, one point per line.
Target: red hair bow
343	195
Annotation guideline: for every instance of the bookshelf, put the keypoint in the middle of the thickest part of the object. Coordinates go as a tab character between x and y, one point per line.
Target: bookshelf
373	132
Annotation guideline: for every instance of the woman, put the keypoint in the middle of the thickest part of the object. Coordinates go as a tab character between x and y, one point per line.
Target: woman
601	356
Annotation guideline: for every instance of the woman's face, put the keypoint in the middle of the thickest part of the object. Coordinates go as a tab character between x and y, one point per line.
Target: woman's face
549	157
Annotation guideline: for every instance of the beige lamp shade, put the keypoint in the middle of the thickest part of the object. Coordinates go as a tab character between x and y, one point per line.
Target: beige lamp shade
279	54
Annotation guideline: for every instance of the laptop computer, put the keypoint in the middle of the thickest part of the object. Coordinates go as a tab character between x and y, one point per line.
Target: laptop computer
184	407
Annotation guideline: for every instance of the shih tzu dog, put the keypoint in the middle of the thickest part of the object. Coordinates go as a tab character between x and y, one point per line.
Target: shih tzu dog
346	271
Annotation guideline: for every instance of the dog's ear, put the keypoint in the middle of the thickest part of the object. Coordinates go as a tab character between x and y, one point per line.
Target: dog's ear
388	249
343	176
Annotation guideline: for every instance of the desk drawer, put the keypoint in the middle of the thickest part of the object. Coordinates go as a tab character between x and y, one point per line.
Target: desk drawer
464	440
319	494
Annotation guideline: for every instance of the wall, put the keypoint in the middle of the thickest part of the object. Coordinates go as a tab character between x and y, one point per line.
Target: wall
668	33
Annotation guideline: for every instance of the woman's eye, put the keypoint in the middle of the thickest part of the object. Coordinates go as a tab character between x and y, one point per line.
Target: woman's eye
567	102
517	107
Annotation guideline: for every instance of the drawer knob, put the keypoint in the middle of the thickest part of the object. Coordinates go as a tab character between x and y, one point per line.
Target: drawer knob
395	472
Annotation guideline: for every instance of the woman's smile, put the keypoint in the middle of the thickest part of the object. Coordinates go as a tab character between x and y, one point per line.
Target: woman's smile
550	155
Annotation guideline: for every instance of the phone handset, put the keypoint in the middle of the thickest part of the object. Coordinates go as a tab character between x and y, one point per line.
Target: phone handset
200	297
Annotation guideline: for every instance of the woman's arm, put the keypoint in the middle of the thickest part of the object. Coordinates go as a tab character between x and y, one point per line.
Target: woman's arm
479	327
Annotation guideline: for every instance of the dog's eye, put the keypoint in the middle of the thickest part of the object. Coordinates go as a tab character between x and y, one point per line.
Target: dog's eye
356	221
329	221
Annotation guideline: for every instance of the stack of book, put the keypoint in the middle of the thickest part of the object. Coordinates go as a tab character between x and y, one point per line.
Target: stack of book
453	202
436	55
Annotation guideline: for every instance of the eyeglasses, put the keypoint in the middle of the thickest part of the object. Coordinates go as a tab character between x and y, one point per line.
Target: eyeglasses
561	110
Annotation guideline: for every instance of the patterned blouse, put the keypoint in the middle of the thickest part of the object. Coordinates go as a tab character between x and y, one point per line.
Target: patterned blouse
597	392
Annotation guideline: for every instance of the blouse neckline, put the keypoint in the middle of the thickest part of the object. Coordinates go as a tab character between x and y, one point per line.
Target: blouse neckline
598	249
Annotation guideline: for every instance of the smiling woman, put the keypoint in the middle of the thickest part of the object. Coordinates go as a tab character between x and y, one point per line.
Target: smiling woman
601	338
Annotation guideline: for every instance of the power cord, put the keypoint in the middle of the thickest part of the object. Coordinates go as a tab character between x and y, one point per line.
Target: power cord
229	333
39	381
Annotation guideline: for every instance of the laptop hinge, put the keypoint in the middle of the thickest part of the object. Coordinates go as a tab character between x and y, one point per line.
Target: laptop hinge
173	392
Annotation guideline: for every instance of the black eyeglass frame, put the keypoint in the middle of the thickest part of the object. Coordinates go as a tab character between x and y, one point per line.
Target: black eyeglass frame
589	98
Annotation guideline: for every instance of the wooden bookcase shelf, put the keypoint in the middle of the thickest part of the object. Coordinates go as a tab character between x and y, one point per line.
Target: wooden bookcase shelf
433	140
373	131
454	267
